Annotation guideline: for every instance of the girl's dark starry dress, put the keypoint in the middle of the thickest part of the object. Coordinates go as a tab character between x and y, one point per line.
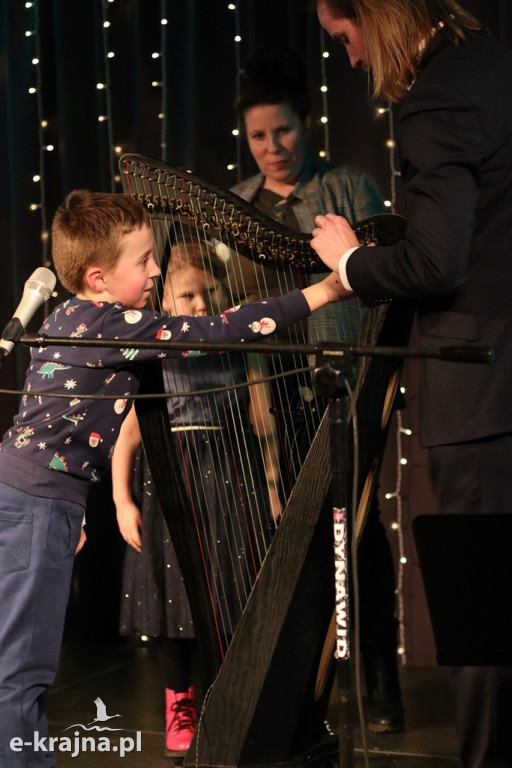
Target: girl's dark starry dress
228	493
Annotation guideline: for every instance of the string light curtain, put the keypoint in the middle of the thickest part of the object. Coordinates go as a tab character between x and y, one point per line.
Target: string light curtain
95	78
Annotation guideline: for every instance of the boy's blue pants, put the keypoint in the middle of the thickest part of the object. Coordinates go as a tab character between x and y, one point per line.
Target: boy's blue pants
38	538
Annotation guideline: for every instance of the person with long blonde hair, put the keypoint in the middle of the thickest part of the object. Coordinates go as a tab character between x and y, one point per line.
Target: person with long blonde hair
454	139
390	32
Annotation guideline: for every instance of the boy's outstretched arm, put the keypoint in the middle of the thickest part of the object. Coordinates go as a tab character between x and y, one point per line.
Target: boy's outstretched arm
328	290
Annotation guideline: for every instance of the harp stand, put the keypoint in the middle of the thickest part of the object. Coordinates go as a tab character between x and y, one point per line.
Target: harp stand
331	381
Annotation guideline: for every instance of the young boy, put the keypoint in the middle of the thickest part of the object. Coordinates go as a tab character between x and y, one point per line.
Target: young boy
103	254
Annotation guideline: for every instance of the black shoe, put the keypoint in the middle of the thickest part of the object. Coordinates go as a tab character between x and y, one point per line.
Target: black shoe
384	710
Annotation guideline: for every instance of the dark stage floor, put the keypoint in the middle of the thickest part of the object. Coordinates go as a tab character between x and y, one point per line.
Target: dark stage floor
126	679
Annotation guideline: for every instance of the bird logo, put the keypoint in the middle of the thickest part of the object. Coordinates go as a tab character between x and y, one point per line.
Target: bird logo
101	713
101	717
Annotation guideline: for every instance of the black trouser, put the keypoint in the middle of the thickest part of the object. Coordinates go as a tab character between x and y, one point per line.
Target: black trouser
472	478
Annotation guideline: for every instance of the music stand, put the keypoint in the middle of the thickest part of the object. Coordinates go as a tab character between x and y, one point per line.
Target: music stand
466	568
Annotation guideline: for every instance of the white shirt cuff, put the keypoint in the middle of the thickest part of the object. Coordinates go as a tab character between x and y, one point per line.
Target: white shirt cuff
343	267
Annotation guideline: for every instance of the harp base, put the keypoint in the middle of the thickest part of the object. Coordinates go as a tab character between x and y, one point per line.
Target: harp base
324	754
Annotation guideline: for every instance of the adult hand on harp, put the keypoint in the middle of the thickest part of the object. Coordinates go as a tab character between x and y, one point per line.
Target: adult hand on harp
332	237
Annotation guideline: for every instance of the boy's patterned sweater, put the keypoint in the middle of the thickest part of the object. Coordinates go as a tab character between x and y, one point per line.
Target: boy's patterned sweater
74	435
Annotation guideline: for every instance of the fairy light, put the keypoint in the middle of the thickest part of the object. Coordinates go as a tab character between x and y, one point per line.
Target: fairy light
237	132
36	90
391	147
161	55
105	115
325	152
397	527
401	431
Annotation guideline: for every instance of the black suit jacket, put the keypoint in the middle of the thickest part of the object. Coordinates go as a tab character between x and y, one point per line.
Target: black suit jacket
454	135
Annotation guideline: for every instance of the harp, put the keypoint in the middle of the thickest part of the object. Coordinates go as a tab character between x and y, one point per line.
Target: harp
266	681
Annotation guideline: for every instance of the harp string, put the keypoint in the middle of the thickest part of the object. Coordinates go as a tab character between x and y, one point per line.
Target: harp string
243	513
253	257
242	493
244	283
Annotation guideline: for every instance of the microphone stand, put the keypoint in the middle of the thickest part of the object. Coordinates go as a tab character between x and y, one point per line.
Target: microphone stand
323	351
332	379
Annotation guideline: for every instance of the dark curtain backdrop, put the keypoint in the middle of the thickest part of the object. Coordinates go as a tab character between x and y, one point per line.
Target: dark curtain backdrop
187	119
196	95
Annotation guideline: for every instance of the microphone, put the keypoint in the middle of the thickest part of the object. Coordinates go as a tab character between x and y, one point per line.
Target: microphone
38	289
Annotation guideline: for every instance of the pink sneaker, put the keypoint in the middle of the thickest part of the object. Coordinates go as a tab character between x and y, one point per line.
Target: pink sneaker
180	721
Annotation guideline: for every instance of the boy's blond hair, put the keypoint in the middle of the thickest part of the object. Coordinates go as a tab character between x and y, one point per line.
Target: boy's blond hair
87	229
